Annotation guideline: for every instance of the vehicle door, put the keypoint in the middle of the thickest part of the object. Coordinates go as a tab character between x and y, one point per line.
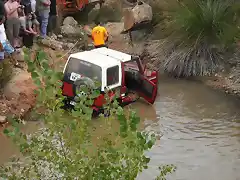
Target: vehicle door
142	84
151	75
147	89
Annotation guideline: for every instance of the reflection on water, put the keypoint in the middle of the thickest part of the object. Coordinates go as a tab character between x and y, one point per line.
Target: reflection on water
7	147
200	128
201	132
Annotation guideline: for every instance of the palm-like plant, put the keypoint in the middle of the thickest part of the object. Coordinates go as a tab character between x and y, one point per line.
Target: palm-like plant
200	32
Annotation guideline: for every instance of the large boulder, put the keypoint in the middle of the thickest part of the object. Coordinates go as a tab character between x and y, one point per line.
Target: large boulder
70	21
71	31
110	11
141	13
71	28
115	28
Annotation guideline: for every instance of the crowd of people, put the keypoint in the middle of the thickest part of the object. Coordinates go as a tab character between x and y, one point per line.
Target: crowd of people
22	20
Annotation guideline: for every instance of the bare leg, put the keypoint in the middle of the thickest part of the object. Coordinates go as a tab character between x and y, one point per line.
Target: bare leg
9	31
16	27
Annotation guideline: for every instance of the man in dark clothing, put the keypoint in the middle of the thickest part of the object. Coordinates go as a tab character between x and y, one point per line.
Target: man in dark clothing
27	6
52	25
2	9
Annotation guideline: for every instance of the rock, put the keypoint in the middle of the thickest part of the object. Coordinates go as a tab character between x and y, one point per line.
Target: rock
3	119
231	77
52	43
54	36
97	6
142	12
19	55
70	45
20	93
92	15
115	28
60	36
128	19
70	21
71	31
71	28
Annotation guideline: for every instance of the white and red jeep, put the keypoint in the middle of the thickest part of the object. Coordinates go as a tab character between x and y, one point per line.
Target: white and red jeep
116	71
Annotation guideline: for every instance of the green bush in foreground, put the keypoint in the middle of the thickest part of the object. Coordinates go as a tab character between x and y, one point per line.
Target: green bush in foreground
201	32
69	146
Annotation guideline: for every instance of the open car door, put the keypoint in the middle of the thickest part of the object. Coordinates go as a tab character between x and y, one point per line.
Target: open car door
148	90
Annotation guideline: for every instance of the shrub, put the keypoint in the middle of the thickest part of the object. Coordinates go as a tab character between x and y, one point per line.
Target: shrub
5	72
200	32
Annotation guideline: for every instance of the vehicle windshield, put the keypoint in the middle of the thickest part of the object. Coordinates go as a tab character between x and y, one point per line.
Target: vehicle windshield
84	68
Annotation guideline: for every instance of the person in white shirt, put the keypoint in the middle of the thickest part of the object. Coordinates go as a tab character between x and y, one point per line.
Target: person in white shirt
5	46
33	5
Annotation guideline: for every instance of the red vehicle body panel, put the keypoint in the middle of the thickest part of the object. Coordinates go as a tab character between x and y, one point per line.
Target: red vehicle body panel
67	89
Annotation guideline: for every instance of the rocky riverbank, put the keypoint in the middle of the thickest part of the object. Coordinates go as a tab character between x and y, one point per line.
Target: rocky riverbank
153	56
18	97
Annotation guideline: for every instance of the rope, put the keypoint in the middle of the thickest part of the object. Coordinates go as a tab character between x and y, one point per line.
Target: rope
69	50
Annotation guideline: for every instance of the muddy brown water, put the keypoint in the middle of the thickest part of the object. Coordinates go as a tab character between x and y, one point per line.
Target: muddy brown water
200	128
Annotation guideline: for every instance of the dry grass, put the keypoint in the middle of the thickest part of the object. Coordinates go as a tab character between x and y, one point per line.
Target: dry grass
198	34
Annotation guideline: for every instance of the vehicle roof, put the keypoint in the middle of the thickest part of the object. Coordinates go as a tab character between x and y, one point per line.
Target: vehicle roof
123	57
103	57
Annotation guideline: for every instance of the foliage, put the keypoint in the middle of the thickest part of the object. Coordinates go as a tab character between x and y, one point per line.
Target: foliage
165	170
5	72
69	146
200	32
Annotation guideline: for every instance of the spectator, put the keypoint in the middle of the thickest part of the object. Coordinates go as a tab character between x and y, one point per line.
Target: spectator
52	17
29	33
30	7
12	23
35	23
5	45
33	5
27	6
43	8
27	23
2	10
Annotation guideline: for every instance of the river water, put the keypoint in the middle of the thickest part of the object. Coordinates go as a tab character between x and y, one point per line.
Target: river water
201	132
200	128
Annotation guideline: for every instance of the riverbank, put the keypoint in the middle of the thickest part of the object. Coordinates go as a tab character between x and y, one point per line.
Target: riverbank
144	45
18	96
152	54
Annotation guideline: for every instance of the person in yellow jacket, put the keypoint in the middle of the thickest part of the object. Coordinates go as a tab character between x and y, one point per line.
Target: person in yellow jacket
99	36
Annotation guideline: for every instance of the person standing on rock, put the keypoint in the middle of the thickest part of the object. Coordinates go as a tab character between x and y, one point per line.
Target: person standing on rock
12	22
5	46
52	17
99	35
2	10
43	7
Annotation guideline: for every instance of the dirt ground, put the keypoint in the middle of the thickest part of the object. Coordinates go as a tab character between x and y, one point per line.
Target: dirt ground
18	97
